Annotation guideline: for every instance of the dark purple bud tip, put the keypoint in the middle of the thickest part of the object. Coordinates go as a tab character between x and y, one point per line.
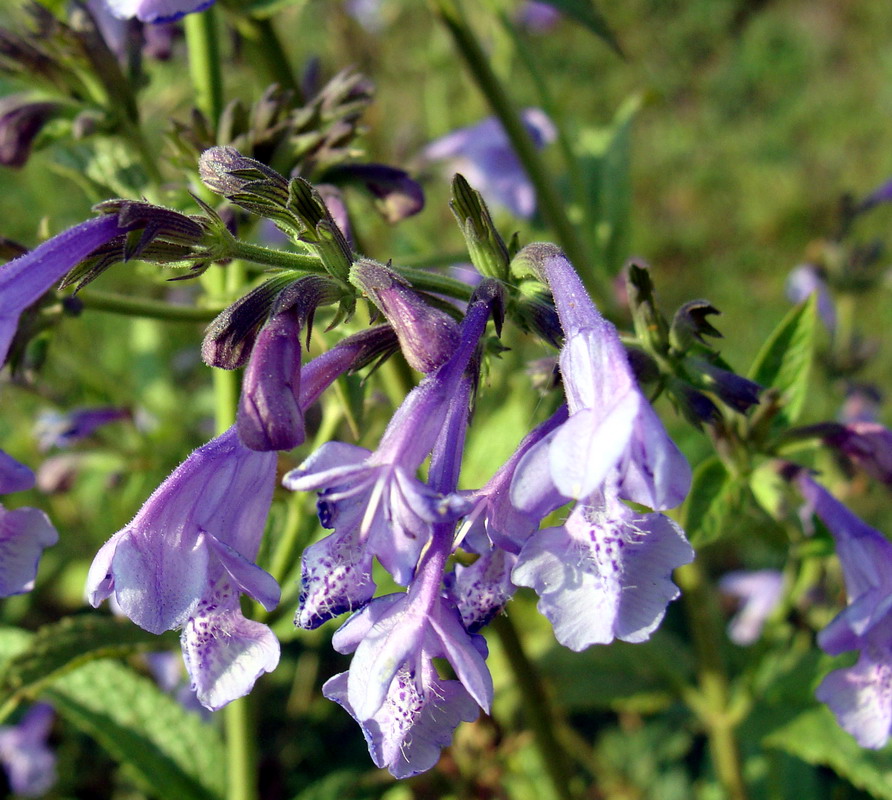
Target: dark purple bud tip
428	337
269	413
20	123
690	325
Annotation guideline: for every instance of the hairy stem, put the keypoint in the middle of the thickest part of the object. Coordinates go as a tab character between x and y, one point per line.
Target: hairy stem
713	701
142	307
204	63
536	707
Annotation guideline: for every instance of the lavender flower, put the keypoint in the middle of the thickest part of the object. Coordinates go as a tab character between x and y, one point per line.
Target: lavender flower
859	696
156	10
612	429
537	17
14	476
759	592
605	574
29	764
428	337
24	533
868	444
483	154
185	558
374	502
54	429
406	711
807	279
25	279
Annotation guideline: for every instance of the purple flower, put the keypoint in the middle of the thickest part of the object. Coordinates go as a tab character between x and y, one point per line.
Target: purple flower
868	444
373	501
269	412
428	336
807	279
406	711
24	534
186	557
612	429
54	429
14	476
156	10
21	120
483	154
538	17
29	764
483	589
24	279
882	194
605	573
859	696
759	591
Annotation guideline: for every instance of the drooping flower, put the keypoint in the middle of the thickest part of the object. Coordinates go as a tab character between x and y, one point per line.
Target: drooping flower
14	476
55	429
406	711
156	10
21	120
186	557
759	592
611	428
868	444
29	763
23	280
483	154
606	573
24	532
859	696
373	501
428	336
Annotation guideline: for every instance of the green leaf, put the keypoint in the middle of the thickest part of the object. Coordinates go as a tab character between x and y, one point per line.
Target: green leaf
816	738
168	751
62	646
586	14
784	361
714	495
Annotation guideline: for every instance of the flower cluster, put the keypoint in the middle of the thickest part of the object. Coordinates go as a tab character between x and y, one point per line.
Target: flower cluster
601	572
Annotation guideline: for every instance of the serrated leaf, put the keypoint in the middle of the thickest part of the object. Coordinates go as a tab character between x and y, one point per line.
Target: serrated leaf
815	737
784	361
169	752
714	495
61	646
586	14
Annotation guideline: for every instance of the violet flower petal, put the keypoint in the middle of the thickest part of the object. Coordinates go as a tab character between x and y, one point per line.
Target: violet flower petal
605	574
224	652
29	764
759	592
24	279
24	533
156	10
14	476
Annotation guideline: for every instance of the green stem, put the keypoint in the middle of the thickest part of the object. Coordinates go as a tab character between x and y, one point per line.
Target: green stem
550	204
241	750
285	259
204	63
265	44
713	701
142	307
536	707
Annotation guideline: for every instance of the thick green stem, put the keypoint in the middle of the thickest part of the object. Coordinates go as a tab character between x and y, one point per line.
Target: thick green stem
142	307
241	750
265	45
550	204
204	63
536	707
712	703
